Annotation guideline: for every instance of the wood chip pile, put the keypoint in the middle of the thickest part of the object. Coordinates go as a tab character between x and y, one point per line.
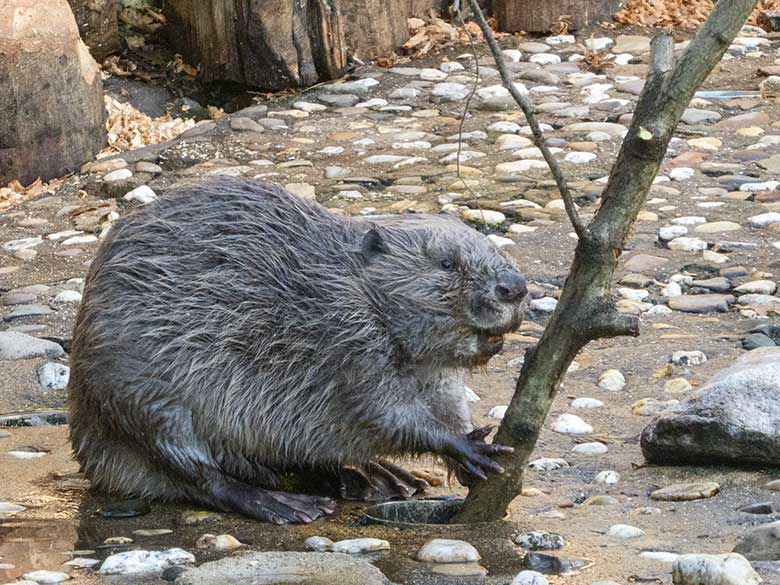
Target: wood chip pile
682	13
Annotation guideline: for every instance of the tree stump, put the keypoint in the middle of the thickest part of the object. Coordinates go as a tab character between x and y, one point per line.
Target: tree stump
275	44
272	44
542	16
98	25
51	96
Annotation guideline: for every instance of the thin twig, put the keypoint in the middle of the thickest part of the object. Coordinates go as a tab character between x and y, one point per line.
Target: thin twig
527	108
459	17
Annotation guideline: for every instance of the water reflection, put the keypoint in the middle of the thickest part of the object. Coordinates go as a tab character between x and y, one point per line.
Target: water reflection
36	544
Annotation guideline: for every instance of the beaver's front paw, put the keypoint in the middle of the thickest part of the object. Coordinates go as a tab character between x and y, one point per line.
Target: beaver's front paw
473	453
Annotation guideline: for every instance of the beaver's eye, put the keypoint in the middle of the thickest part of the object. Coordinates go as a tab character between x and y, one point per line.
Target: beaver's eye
445	264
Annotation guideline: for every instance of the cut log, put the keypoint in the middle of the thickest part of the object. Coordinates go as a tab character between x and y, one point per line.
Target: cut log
51	95
98	25
542	16
272	44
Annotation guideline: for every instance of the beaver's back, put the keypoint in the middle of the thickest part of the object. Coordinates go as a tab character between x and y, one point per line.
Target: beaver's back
214	301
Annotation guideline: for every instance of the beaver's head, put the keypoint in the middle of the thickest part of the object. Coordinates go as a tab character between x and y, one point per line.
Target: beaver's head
445	292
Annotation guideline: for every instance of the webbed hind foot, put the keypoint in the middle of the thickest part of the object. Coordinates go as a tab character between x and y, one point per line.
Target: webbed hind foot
272	506
379	481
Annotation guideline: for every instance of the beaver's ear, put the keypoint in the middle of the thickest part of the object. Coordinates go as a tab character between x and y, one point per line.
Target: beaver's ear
374	244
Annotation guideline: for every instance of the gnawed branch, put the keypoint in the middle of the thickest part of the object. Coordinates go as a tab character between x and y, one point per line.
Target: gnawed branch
533	123
585	309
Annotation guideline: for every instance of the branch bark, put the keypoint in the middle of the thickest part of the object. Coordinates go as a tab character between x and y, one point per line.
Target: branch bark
528	110
585	311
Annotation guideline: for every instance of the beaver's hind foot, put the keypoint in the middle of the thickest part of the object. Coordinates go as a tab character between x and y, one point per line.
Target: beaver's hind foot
380	481
271	506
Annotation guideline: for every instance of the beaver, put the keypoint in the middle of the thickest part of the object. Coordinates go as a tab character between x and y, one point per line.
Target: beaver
232	335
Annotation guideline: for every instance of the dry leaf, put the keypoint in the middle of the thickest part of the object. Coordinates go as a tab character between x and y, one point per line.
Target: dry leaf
215	112
15	192
129	129
681	13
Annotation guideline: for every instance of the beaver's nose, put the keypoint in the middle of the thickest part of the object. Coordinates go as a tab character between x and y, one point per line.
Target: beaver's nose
511	287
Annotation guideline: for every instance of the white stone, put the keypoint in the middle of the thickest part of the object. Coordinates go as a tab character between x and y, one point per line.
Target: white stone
486	216
68	296
117	175
671	232
657	310
450	91
471	396
441	550
500	241
727	569
714	257
27	454
558	40
498	412
624	531
586	403
318	543
544	59
53	376
360	545
404	93
46	577
672	290
512	55
612	380
545	304
634	294
607	477
432	75
579	158
764	287
451	66
663	557
548	464
143	195
302	190
685	244
688	358
599	43
135	562
594	448
571	424
504	127
79	240
599	137
520	166
463	156
9	509
753	299
765	219
530	578
383	159
756	187
520	229
82	562
681	174
309	107
22	244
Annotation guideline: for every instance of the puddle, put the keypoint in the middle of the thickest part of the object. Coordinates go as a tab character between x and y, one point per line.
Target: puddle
727	94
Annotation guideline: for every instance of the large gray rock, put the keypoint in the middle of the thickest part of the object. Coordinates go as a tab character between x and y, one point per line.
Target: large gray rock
735	418
19	346
283	568
761	544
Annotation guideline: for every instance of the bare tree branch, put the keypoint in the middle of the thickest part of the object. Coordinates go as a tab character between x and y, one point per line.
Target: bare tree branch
585	311
528	110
